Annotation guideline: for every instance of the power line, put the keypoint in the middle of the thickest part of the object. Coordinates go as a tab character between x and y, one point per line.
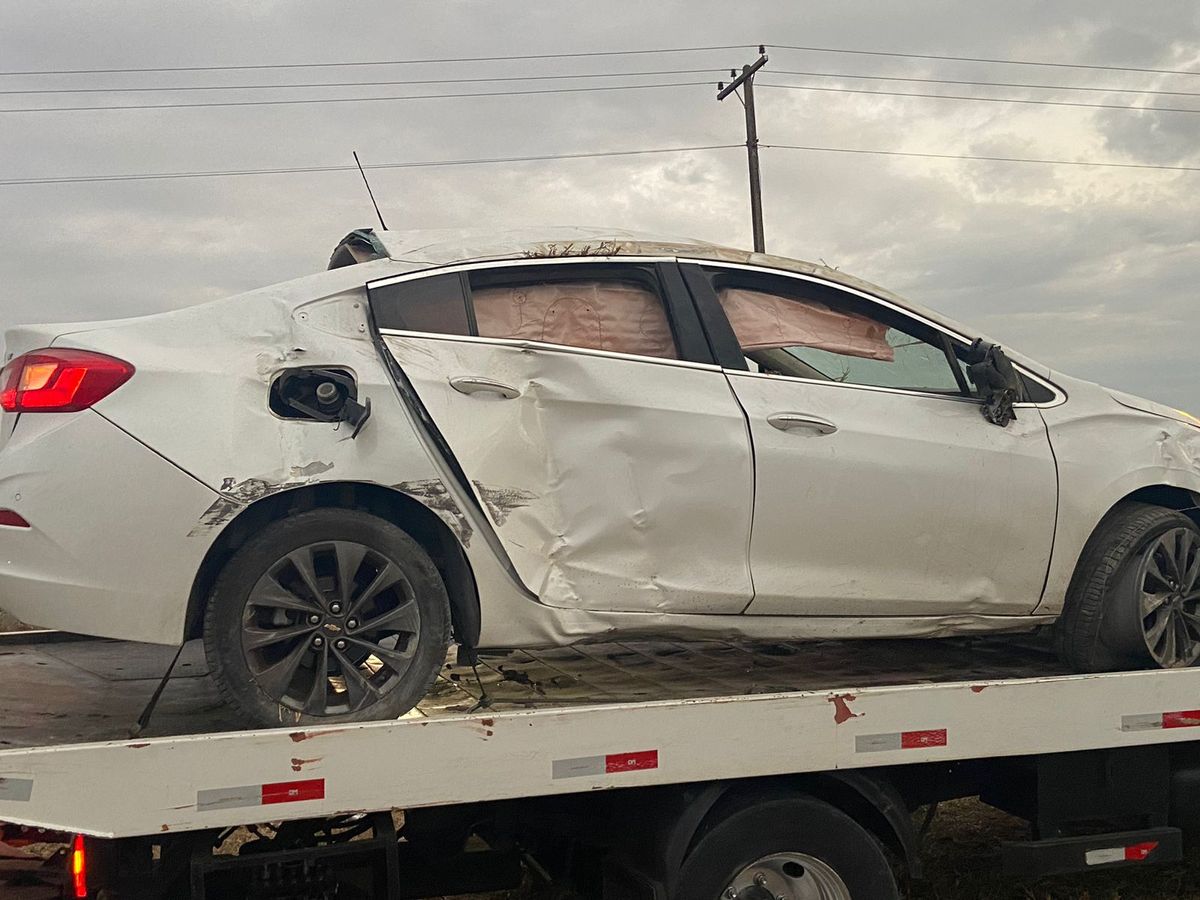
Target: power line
416	164
325	84
163	176
984	59
218	103
833	90
379	62
1005	84
1010	159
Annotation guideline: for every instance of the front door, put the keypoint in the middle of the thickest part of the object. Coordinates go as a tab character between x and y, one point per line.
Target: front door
881	489
612	461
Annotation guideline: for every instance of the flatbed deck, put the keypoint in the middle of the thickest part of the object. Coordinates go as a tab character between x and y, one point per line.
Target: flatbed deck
555	721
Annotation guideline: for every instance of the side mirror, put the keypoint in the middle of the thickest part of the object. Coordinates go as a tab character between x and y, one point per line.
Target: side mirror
997	381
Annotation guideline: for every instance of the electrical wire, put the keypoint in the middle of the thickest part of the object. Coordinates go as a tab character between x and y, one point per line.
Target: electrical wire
382	62
1004	84
312	100
325	84
415	164
1009	159
1076	104
162	176
984	59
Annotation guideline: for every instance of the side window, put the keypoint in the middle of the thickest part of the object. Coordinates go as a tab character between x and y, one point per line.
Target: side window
622	315
810	331
436	304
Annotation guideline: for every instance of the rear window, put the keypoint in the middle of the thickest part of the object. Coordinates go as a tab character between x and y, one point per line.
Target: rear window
437	304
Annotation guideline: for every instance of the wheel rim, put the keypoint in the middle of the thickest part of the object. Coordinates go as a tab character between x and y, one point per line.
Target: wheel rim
787	876
330	628
1169	596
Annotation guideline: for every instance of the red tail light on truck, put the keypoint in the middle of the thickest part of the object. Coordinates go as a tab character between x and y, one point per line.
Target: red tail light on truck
60	380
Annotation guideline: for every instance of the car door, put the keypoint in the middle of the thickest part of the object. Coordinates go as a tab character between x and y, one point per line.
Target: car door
880	487
603	444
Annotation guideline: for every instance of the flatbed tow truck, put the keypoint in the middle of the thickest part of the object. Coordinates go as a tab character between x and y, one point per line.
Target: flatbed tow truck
628	770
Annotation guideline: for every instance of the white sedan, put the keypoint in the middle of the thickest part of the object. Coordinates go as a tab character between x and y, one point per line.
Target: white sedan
508	442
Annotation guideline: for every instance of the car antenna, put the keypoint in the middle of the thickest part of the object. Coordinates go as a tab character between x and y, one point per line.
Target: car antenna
370	193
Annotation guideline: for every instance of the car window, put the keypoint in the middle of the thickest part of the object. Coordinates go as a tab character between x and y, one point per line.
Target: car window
436	304
821	337
622	316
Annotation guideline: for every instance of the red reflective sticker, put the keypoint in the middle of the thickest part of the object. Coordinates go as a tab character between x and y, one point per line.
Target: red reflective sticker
630	762
1138	852
1187	719
292	791
910	740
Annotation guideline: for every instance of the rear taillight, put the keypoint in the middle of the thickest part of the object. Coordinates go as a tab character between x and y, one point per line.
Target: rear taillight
60	380
79	867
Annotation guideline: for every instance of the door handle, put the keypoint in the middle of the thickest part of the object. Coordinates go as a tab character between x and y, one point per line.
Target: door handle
469	384
790	421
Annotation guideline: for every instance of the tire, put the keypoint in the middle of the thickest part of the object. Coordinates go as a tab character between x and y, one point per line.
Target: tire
1115	602
280	613
801	847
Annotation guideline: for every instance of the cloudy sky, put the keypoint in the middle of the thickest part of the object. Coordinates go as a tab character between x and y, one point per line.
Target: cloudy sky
1094	271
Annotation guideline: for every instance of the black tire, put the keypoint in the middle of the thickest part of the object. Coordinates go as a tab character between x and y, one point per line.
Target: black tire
1102	627
786	825
393	629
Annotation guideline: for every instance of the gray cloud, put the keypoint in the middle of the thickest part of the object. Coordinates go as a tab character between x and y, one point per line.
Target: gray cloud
1091	270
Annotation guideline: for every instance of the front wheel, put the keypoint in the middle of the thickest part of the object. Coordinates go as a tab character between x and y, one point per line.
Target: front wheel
331	615
789	848
1135	599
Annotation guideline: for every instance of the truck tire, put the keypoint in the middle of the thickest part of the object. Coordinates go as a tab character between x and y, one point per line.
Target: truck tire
331	615
787	847
1134	601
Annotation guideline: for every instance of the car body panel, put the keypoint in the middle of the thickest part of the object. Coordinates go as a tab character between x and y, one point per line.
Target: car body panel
196	418
614	483
1107	450
105	512
915	505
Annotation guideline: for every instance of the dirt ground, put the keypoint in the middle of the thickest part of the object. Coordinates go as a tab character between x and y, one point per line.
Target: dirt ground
963	861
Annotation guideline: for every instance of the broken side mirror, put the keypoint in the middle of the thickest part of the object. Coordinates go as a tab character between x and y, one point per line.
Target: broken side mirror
995	379
319	395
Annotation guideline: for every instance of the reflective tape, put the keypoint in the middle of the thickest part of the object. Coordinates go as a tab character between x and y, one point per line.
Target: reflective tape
1153	721
1132	853
16	790
900	740
261	794
612	764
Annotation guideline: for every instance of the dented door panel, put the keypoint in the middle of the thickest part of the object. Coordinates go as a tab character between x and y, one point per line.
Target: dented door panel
613	482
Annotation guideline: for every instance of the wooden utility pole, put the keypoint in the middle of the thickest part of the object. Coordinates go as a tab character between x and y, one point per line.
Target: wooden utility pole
746	80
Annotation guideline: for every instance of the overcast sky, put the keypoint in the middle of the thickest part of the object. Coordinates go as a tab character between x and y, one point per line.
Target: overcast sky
1093	271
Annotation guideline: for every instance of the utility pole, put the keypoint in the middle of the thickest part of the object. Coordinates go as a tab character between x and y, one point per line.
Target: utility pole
746	79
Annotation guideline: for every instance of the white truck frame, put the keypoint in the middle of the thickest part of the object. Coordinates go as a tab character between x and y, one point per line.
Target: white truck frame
875	729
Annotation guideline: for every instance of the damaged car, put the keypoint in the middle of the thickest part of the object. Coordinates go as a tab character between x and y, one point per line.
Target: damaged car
524	440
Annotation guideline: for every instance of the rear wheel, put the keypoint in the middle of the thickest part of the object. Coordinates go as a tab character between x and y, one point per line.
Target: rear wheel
331	615
1135	599
790	848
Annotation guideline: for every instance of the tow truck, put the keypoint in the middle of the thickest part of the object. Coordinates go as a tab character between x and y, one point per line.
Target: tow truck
630	771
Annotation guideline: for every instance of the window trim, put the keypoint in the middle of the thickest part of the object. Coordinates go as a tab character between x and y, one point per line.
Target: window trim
686	327
694	265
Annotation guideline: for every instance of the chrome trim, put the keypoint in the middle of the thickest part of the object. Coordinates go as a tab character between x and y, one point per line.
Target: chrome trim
956	398
1060	396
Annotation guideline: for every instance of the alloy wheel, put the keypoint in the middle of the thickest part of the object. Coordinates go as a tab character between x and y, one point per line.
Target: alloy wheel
1168	581
330	628
787	876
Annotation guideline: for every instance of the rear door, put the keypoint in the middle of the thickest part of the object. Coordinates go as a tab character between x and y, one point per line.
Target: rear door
881	489
579	398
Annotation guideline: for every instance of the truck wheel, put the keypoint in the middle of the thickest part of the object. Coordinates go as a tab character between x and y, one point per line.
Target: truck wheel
791	848
1135	599
331	615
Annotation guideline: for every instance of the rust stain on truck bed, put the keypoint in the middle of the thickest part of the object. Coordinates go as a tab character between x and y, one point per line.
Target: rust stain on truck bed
841	708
